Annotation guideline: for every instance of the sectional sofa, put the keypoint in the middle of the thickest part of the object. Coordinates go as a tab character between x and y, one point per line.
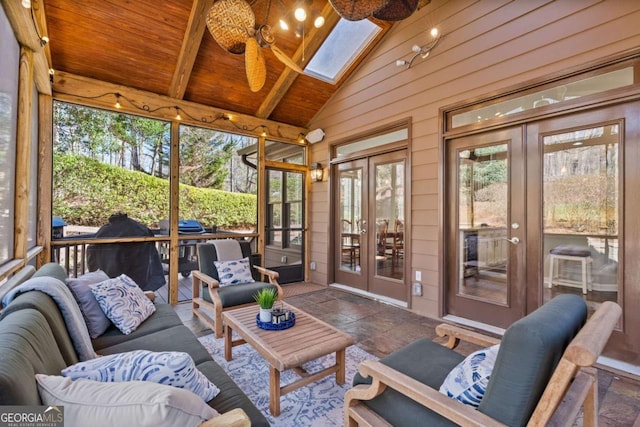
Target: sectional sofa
34	340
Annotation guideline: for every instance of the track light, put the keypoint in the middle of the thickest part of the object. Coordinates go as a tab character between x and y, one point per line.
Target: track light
420	51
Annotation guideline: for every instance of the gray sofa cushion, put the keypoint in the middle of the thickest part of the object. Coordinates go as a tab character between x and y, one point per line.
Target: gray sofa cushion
230	396
177	338
49	309
425	361
164	318
27	347
52	269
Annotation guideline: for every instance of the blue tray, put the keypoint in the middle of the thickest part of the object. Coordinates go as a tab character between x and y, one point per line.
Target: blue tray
277	326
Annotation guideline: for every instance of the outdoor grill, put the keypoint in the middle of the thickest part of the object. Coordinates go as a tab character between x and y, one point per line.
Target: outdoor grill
187	258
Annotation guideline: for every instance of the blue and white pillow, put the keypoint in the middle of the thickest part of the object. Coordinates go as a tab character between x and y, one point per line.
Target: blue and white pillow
123	302
171	368
468	381
234	272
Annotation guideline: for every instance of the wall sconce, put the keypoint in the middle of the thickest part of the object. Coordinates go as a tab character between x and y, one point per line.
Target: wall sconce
420	51
317	172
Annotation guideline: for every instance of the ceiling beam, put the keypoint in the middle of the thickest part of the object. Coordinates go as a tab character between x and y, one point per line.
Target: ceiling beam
307	49
40	18
25	32
95	93
190	47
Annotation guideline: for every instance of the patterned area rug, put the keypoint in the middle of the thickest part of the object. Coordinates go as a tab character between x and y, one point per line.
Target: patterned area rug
318	404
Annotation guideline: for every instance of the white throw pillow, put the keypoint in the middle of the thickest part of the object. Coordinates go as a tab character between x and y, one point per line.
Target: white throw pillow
123	302
234	272
171	368
468	381
135	403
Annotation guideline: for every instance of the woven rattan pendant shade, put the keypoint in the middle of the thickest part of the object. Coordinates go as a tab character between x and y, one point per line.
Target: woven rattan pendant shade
355	10
229	22
396	10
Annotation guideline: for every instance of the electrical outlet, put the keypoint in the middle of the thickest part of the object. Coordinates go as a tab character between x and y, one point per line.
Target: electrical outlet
312	265
418	276
283	259
417	289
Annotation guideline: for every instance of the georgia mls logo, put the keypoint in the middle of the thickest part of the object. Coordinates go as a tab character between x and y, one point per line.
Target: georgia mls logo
31	416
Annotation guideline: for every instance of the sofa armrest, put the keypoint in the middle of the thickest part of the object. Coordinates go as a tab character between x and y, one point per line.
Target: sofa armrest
384	376
456	333
234	418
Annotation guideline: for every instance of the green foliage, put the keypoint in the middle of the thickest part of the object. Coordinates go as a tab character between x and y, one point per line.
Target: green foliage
266	297
87	192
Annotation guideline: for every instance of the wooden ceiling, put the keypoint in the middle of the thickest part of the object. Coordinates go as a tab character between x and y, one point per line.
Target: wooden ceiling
164	47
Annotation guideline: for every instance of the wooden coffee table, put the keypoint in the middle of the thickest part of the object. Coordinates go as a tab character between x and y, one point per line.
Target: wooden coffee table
308	339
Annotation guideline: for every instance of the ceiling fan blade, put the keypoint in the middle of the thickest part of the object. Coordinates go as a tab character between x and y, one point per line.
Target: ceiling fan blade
254	65
285	59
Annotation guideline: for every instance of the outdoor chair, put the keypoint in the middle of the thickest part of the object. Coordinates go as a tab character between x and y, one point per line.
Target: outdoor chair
210	294
543	358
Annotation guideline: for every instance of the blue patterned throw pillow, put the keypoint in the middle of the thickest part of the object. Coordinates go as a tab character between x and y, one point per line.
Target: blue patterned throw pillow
123	302
171	368
234	272
468	381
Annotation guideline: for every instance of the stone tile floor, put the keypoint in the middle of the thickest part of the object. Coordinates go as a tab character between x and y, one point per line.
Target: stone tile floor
381	328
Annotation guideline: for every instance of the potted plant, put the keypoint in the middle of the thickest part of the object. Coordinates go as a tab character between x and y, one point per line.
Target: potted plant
265	298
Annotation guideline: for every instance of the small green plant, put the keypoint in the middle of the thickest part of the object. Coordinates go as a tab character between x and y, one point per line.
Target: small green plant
266	297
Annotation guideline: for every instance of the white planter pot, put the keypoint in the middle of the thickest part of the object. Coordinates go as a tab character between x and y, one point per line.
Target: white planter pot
265	315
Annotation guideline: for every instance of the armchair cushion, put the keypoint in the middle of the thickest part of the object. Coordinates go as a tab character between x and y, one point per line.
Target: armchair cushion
232	296
234	272
467	382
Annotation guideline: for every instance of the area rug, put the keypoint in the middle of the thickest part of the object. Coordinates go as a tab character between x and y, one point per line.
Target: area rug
318	404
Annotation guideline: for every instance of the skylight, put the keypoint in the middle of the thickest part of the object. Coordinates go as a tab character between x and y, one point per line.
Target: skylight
341	48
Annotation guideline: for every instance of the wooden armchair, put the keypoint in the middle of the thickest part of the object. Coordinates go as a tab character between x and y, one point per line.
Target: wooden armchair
209	298
543	374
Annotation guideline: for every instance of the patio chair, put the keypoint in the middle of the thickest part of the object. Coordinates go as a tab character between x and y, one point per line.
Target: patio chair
211	297
543	358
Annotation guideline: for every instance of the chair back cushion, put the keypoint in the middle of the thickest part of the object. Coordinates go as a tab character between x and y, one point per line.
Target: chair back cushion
207	254
529	353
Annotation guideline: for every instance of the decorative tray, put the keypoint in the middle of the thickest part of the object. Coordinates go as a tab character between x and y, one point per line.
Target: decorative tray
281	325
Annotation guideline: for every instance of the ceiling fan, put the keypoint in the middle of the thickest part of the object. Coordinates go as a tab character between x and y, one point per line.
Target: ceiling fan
232	24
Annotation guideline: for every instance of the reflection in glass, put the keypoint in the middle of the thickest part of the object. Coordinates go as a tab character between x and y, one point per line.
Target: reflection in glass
581	212
483	196
350	219
389	179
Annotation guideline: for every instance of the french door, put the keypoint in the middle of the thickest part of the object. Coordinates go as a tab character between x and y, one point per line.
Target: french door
485	232
370	236
546	208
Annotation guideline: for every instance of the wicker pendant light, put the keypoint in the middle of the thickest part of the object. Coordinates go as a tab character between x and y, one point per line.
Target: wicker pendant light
356	10
396	10
229	22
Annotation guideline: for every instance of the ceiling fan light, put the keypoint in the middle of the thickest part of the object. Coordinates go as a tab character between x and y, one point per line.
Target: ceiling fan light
319	21
284	25
300	14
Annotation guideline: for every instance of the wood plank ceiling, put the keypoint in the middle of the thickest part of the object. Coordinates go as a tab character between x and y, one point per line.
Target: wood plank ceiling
165	48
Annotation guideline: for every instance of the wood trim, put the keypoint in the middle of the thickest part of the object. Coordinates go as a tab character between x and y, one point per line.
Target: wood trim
307	49
23	154
45	173
20	20
40	18
95	93
262	196
174	203
190	46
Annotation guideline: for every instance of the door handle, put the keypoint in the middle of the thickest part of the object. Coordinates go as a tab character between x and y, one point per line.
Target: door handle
513	240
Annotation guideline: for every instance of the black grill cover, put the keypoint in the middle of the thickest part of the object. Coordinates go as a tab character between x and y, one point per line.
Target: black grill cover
138	260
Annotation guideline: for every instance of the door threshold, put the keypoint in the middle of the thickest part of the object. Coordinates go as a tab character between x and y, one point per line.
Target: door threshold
474	324
606	363
376	297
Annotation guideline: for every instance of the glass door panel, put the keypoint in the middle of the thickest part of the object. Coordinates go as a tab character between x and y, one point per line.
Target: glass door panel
483	196
580	212
350	219
389	219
